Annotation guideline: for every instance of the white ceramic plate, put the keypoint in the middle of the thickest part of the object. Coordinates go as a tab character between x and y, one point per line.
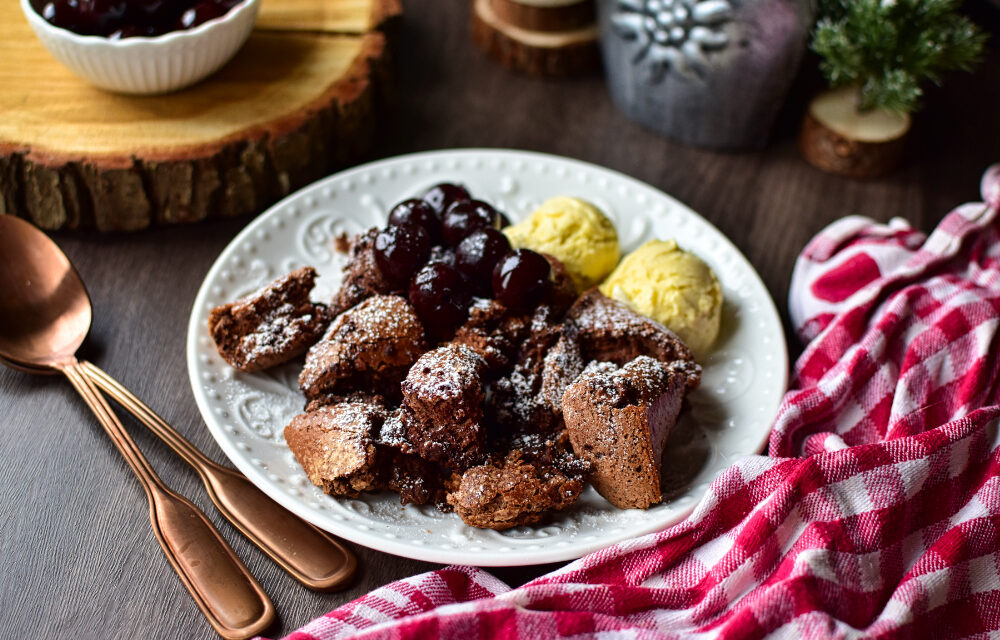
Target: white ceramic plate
730	414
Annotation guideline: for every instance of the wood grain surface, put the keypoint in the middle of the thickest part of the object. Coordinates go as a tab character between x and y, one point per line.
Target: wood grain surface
78	557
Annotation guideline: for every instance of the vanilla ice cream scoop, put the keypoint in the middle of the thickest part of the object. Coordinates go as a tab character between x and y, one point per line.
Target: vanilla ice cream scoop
672	286
575	232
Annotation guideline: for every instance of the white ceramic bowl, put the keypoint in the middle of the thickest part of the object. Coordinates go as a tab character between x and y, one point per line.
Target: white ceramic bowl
148	65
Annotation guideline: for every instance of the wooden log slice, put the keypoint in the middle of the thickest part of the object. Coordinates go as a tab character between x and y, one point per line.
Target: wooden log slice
550	38
838	138
298	101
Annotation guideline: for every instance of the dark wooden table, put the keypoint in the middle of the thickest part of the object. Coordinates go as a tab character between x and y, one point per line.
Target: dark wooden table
78	557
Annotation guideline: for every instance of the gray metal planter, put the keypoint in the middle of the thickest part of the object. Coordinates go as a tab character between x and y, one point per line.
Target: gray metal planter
709	73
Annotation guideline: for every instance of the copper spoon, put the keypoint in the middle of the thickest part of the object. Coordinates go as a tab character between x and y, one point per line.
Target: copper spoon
45	314
310	555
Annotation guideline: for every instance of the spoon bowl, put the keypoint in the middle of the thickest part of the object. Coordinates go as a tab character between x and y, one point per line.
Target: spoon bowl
45	312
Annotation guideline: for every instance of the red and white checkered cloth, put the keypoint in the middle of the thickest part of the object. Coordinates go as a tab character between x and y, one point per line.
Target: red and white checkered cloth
877	513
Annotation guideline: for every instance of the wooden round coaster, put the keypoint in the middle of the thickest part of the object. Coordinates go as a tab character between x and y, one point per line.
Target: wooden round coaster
546	16
539	37
296	102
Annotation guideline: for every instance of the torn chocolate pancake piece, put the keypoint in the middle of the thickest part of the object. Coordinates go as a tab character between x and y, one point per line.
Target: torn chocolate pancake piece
618	419
367	348
271	326
335	444
416	480
609	331
534	478
493	332
529	398
443	398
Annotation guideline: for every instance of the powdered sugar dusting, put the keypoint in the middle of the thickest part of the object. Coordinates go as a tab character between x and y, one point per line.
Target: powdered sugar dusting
356	416
602	313
520	388
278	333
443	372
643	377
381	317
393	432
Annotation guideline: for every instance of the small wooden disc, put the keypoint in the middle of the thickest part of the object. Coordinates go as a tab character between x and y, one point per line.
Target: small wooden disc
838	138
297	101
533	17
556	40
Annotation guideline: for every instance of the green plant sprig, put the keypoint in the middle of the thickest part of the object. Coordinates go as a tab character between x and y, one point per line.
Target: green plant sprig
889	48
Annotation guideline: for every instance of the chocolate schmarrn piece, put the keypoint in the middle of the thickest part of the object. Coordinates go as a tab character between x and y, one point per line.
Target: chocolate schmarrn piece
335	444
535	477
367	348
609	331
442	407
271	326
618	419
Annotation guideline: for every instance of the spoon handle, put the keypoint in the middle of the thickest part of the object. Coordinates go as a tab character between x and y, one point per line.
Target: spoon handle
310	555
225	591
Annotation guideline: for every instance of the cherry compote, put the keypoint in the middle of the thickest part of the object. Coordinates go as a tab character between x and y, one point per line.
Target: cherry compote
476	256
521	279
440	296
400	250
466	216
118	19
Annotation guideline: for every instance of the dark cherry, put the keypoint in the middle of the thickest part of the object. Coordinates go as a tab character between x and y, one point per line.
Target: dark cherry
400	250
418	212
477	254
442	254
154	17
87	17
132	31
521	278
466	216
63	13
504	220
440	296
199	14
441	196
108	15
149	9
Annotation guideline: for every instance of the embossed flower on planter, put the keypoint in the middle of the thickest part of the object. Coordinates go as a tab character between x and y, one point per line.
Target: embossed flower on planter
674	34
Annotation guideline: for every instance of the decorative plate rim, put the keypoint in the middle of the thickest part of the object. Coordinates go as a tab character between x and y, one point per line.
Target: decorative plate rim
517	556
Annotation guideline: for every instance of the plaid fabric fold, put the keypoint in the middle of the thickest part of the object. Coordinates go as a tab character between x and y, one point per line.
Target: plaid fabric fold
876	514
